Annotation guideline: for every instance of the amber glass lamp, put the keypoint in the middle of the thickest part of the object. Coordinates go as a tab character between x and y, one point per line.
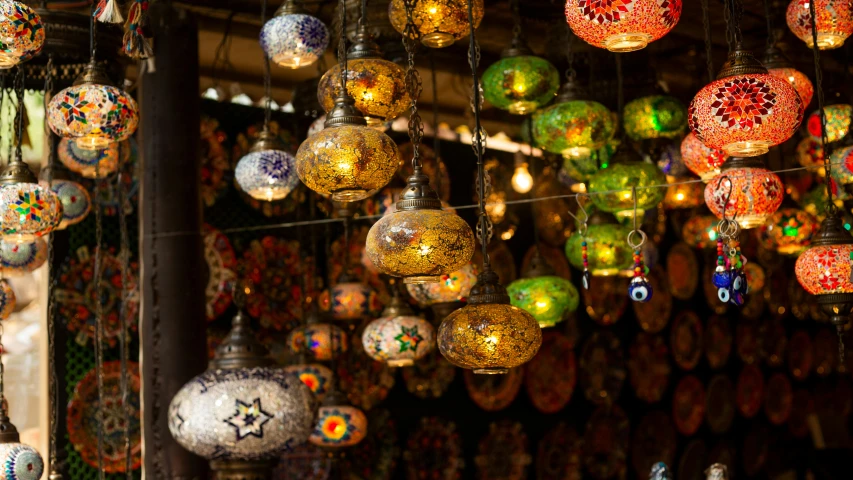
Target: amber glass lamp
438	23
626	170
745	191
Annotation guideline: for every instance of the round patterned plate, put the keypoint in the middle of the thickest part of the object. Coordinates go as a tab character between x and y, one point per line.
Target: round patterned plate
606	300
606	443
434	451
654	441
720	404
648	365
304	462
602	368
559	454
779	399
216	173
551	375
77	296
688	405
654	314
375	457
718	341
750	391
710	292
800	355
82	420
802	405
772	342
554	257
746	336
682	271
686	340
494	392
503	452
693	461
825	352
222	266
365	381
429	377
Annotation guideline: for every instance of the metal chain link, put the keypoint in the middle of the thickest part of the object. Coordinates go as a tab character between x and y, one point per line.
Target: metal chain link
99	321
342	47
414	85
267	75
570	53
124	348
818	83
706	25
20	79
484	224
517	31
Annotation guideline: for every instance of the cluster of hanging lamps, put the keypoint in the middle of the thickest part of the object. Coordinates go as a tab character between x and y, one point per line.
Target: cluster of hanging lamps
834	22
292	38
654	117
436	23
838	118
622	25
543	294
744	191
75	199
22	32
778	65
398	337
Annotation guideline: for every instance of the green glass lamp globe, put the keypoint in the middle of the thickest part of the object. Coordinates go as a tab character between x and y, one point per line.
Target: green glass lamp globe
520	82
655	116
574	125
608	252
627	169
549	298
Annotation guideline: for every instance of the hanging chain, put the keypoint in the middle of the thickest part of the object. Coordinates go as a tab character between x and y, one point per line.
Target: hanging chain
10	111
93	32
818	77
20	79
99	319
342	47
706	25
517	31
267	76
362	21
4	405
124	338
484	224
570	54
771	35
413	82
2	102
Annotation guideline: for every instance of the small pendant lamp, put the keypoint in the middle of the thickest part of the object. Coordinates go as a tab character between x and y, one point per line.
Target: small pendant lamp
22	31
292	38
398	337
622	25
778	64
746	191
543	294
75	199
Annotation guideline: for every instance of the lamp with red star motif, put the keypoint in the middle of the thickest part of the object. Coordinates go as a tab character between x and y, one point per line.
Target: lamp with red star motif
834	22
745	191
622	25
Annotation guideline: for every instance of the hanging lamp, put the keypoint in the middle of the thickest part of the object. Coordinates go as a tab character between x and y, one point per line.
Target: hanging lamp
602	241
448	294
627	169
17	259
91	163
778	65
436	23
834	22
746	191
75	199
574	125
292	38
22	33
838	119
541	293
622	25
398	337
316	339
654	117
788	231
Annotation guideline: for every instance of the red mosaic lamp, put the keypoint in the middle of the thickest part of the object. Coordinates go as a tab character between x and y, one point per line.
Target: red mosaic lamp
745	191
622	25
746	110
780	66
834	22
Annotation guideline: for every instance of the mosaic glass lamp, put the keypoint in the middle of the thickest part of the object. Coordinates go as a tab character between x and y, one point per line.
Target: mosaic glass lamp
22	31
541	293
292	38
419	241
834	22
520	82
451	288
75	199
438	23
399	337
627	169
701	160
654	117
90	163
377	85
92	111
607	251
29	209
622	25
788	231
780	66
317	377
574	125
753	192
489	335
267	172
700	231
842	165
347	160
810	154
17	259
317	340
746	110
837	122
17	460
243	411
338	424
350	299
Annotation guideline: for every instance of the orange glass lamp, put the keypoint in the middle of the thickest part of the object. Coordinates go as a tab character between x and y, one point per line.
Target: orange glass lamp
834	22
701	160
780	66
622	25
753	193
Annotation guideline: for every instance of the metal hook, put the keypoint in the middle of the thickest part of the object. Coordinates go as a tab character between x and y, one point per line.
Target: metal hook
585	220
728	196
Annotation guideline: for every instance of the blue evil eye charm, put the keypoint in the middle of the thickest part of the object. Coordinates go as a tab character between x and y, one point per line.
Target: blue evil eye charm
739	283
660	472
640	290
722	278
724	294
586	280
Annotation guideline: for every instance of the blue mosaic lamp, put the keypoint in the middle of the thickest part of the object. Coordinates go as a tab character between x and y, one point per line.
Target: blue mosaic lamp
292	38
75	199
267	172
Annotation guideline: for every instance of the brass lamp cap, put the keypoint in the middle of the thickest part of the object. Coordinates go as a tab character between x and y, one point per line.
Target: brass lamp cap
538	267
93	74
17	172
418	194
8	431
240	348
363	45
572	90
488	290
267	141
832	232
740	62
397	307
289	7
518	48
742	162
344	112
775	58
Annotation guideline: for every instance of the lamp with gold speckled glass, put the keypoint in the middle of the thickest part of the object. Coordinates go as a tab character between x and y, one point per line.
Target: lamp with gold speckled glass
436	23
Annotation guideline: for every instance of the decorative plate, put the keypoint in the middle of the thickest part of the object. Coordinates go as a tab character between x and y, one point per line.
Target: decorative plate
682	271
720	404
273	266
222	268
82	420
503	452
304	462
802	405
77	296
693	461
686	340
688	405
559	454
365	381
606	300
429	377
606	443
746	336
756	447
432	167
654	314
654	441
216	173
554	257
17	259
602	365
434	451
503	263
710	291
354	260
750	391
800	355
825	352
834	397
772	342
551	375
648	365
494	392
109	198
375	457
718	341
779	399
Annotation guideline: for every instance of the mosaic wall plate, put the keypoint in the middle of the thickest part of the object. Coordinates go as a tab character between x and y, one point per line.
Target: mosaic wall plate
720	404
602	368
779	399
503	263
750	391
688	405
686	340
551	375
718	341
494	392
654	441
82	419
77	296
682	271
772	342
800	355
429	377
606	300
825	352
802	405
365	381
375	457
606	443
106	193
434	451
693	460
648	365
304	462
553	257
222	270
503	453
559	454
216	172
746	338
654	315
273	267
710	292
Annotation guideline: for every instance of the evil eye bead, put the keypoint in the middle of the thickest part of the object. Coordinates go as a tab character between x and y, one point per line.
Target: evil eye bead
640	290
724	294
722	278
739	283
586	280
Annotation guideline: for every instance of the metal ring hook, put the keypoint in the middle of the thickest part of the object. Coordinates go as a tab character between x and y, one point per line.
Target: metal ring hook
728	196
585	220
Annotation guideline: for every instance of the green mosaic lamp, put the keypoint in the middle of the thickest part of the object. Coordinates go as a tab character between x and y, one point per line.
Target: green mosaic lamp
574	125
520	82
608	252
655	117
540	292
626	170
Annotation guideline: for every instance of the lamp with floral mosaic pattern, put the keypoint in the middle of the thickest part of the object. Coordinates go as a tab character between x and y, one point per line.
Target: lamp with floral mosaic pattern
622	25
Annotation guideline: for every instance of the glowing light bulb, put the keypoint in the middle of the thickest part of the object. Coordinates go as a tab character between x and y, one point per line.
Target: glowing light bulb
522	181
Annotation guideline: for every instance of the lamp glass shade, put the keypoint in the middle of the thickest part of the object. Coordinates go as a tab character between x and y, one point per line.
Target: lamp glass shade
18	259
834	22
348	162
788	231
841	161
339	426
94	115
294	40
438	23
22	31
267	175
550	299
520	84
90	163
318	378
656	116
75	200
29	210
317	341
622	25
581	165
19	461
7	299
810	155
701	160
837	122
377	85
350	301
453	287
824	270
619	178
608	252
798	80
753	195
575	127
398	340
